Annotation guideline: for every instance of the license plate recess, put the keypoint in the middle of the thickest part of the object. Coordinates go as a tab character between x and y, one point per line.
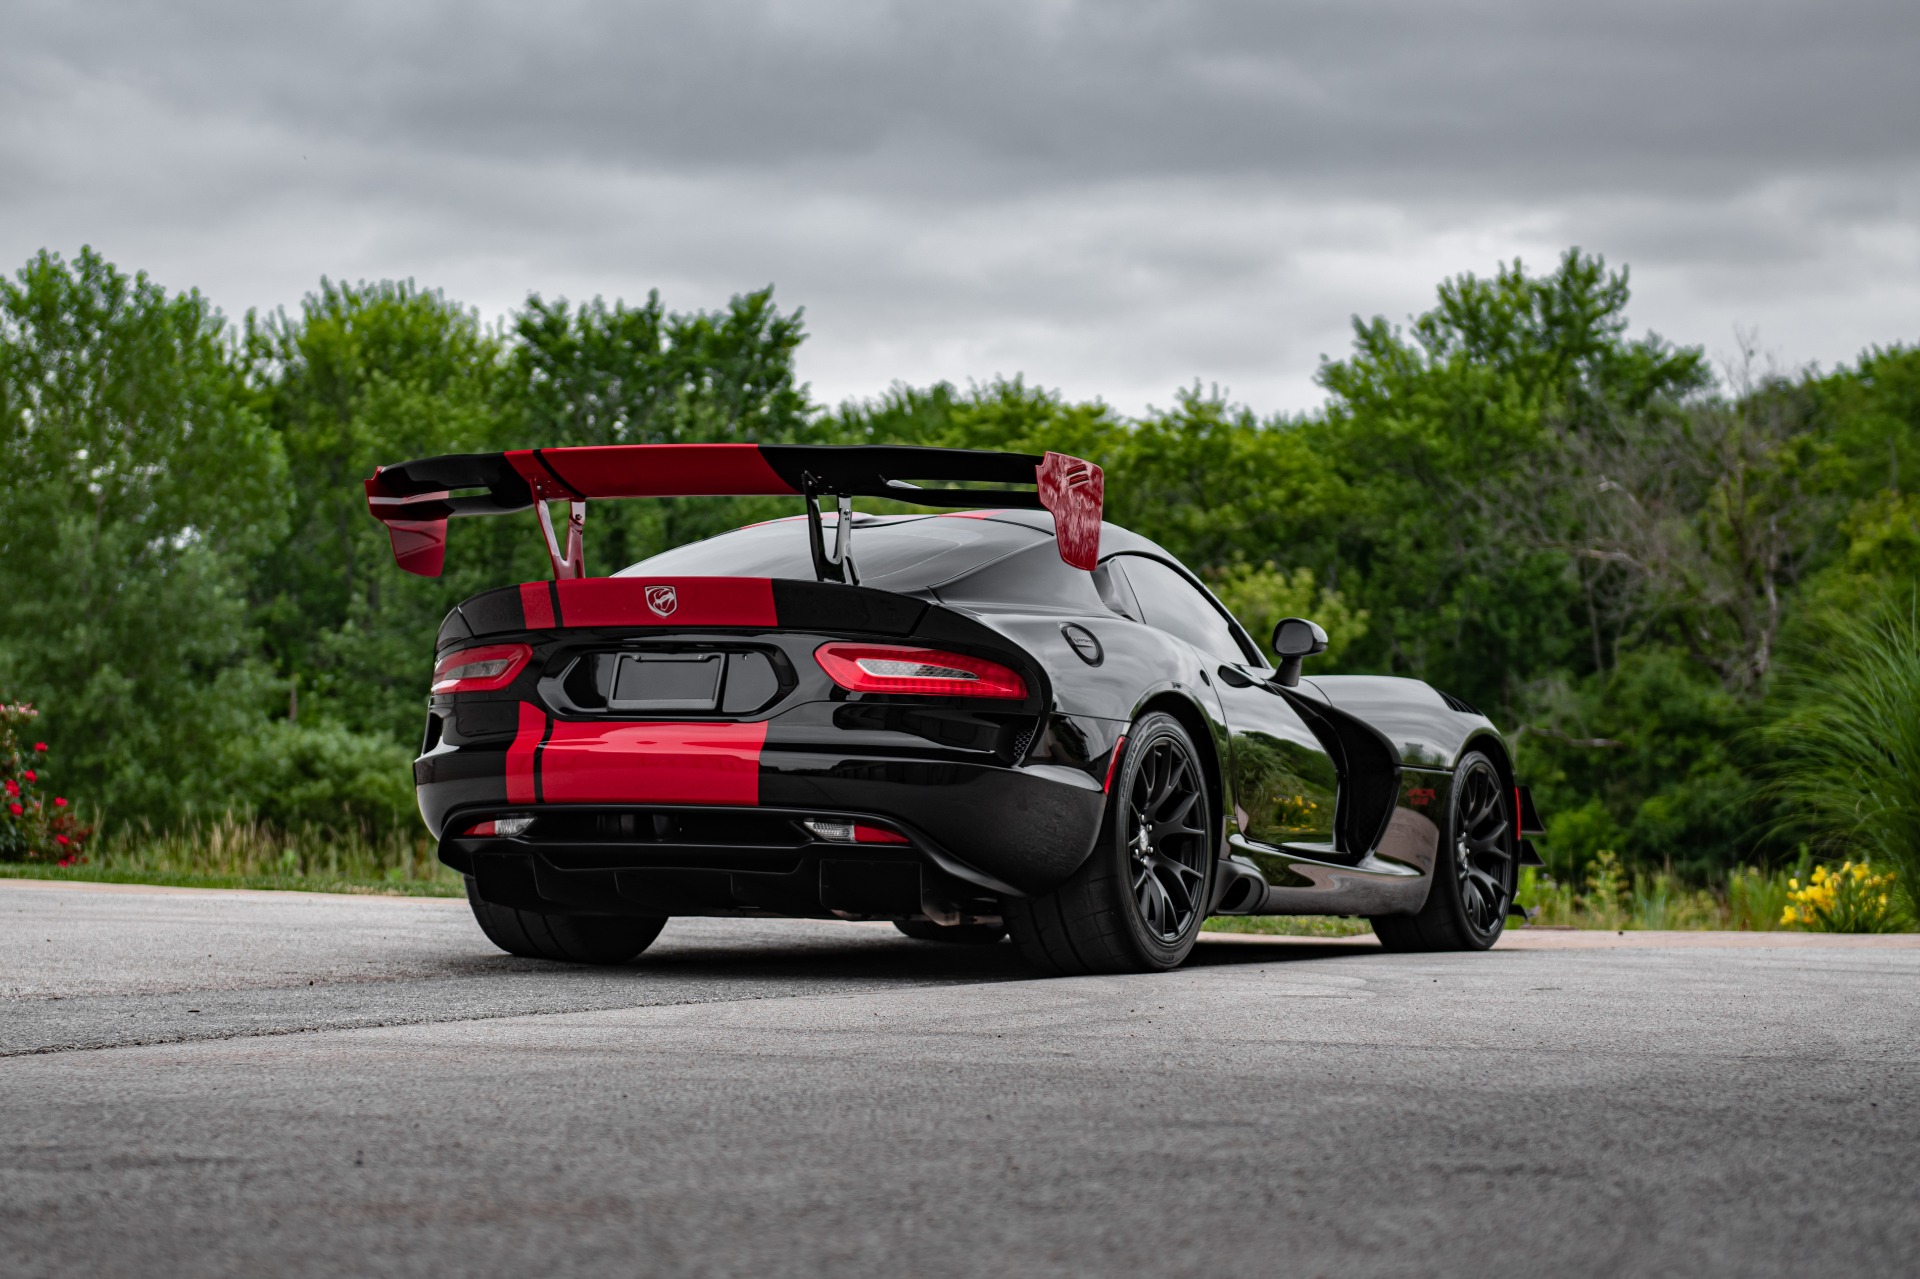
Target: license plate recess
666	682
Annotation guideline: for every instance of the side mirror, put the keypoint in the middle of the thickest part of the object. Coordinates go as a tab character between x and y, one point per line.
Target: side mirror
1295	639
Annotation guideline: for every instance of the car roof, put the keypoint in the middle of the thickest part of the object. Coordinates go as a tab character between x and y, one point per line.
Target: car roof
890	552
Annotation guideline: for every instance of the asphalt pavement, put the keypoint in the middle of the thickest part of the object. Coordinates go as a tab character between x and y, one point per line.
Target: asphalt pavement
257	1083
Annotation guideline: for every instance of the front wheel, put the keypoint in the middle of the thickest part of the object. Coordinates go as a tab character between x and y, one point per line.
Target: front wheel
1137	902
573	939
1475	870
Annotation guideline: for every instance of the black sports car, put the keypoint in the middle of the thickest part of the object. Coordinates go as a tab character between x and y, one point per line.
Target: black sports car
1010	719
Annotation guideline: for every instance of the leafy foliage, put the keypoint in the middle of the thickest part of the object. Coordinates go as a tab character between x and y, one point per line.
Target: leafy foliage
1646	573
1850	898
1847	768
139	481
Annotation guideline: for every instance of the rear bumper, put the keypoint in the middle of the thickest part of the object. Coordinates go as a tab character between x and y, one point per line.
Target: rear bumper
973	828
661	861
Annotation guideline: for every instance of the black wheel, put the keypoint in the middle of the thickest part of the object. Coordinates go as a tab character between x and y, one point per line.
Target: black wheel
959	934
1137	902
574	939
1476	869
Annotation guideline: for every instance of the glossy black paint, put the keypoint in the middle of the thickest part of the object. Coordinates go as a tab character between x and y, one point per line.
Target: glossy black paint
1340	772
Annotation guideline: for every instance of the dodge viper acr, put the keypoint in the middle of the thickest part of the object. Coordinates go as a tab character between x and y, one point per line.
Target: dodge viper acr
1005	716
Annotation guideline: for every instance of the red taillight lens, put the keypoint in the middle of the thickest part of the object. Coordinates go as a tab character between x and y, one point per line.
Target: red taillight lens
480	670
865	834
887	668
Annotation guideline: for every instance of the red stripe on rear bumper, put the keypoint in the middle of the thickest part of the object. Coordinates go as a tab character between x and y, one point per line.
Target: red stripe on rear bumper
610	763
521	755
667	601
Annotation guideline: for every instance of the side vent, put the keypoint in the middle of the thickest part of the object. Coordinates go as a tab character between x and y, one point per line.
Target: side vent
1460	704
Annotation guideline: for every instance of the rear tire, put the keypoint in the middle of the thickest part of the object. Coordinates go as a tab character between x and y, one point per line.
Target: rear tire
957	934
1137	902
1475	871
573	939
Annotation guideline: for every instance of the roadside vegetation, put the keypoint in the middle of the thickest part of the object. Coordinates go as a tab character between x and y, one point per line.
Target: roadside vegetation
230	852
1685	587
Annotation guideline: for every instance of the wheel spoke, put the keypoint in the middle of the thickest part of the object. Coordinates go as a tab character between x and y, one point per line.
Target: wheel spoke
1167	841
1482	851
1493	843
1487	886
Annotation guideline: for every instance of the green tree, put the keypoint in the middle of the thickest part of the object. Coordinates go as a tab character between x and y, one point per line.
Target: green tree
139	481
1436	431
619	374
368	375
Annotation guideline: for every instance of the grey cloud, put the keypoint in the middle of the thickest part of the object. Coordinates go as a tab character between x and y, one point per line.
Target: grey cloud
1513	94
1117	198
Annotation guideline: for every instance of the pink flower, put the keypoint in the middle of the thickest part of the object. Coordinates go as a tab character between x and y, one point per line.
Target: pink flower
59	802
60	839
15	809
13	789
30	775
40	746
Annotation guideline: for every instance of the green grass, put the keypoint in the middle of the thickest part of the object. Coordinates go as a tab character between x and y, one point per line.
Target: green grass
229	853
1612	898
1289	925
446	886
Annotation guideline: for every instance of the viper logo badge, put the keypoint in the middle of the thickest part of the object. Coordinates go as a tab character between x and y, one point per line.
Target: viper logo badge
662	599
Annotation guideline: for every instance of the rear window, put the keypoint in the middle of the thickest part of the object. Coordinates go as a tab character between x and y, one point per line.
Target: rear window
890	552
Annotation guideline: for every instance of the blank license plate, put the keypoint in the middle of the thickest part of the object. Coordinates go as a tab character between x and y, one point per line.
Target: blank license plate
668	682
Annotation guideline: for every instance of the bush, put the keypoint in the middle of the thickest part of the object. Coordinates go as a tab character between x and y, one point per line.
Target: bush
321	776
32	828
1853	899
1848	744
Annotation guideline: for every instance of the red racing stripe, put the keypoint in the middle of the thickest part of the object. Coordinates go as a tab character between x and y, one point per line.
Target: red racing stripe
536	602
540	478
629	763
667	601
521	755
665	470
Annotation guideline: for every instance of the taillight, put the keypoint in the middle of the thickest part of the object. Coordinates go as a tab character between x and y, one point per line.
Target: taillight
887	668
502	826
480	670
842	830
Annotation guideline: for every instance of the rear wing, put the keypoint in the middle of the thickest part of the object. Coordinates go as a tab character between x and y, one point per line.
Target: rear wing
415	499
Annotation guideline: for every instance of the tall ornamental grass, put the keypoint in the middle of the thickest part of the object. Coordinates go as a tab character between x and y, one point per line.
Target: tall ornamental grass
1848	748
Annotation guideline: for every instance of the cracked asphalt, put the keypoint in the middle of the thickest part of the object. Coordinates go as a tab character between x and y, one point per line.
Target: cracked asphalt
209	1083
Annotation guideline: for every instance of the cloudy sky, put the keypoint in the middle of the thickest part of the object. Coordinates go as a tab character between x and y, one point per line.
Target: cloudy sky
1114	198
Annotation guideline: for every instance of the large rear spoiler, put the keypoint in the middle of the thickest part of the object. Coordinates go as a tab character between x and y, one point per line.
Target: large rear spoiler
415	499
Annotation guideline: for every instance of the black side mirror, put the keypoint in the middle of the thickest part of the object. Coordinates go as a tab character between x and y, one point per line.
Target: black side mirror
1295	639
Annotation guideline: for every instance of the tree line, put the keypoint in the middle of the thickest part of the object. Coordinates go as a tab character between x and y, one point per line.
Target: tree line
1653	572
